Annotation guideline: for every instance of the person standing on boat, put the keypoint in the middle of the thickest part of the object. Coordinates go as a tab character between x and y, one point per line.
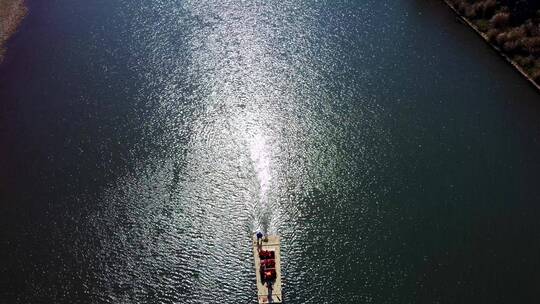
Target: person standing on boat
259	237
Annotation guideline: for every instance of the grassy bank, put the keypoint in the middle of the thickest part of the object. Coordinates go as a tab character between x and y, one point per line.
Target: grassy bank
11	14
512	27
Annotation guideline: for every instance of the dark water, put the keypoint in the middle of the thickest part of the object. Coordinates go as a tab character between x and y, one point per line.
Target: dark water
143	141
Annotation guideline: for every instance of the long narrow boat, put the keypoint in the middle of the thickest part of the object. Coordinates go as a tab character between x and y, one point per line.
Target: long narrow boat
268	269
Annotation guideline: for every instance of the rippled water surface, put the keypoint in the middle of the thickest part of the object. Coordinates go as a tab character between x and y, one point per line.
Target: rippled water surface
396	155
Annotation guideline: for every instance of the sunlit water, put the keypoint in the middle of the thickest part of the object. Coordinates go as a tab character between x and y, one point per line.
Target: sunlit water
144	141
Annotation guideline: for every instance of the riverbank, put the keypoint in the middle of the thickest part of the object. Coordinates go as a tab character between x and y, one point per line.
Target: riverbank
11	14
513	37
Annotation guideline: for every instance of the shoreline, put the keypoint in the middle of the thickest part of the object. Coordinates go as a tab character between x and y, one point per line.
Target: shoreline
12	12
496	48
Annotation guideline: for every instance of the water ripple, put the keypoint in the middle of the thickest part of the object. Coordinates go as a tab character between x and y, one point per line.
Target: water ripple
240	100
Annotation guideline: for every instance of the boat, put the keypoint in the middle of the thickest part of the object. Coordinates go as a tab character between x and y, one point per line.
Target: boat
268	269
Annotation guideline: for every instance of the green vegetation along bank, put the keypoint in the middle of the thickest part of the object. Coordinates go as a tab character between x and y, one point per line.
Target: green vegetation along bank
11	14
511	26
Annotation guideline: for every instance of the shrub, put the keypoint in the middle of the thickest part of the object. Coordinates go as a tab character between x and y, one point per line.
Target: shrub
482	24
471	12
535	75
492	35
510	46
533	27
526	62
460	5
488	8
531	45
501	38
516	33
500	20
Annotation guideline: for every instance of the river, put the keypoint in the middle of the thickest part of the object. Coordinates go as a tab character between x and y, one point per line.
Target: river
395	153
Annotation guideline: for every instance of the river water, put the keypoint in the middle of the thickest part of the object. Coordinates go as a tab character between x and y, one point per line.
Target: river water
397	156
